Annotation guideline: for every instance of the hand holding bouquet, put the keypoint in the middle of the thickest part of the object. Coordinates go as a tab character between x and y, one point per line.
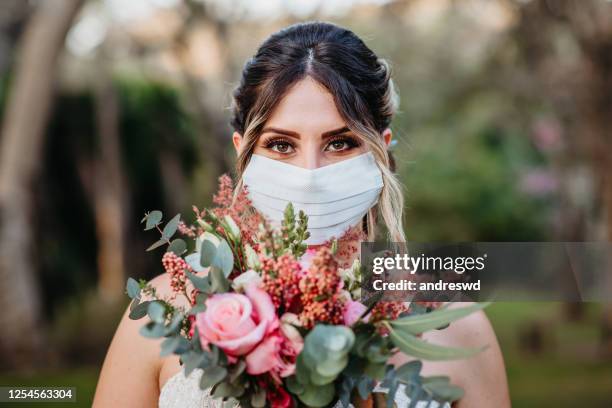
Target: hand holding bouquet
273	323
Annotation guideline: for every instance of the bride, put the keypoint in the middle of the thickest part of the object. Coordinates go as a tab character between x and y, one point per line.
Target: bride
312	96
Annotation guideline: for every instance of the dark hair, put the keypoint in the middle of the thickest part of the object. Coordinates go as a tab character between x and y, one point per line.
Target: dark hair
358	80
333	56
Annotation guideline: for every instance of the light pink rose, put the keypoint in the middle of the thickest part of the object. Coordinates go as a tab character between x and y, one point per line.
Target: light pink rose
352	312
277	353
237	323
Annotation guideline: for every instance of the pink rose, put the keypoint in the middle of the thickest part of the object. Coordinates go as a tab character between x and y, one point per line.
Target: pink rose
237	323
277	353
352	312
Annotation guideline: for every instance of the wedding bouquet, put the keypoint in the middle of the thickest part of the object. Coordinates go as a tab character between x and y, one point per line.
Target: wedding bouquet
273	323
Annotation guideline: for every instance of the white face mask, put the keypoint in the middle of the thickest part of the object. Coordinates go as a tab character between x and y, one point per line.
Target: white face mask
334	197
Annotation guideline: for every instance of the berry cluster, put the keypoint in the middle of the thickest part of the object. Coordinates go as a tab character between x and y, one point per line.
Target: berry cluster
175	267
281	280
320	288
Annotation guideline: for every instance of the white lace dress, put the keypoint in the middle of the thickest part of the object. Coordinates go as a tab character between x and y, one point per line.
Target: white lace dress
184	392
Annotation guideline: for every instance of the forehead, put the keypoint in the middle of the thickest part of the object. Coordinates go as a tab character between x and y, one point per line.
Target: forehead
307	107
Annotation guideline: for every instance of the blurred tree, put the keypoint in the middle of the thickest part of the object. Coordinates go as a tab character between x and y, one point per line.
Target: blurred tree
568	46
26	115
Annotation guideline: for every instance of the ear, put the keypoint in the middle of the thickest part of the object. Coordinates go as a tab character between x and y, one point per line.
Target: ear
387	136
237	141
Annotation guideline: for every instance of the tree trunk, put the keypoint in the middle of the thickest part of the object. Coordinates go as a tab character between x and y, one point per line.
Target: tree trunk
108	196
26	115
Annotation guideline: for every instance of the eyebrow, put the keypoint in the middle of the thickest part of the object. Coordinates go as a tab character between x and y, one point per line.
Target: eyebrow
291	133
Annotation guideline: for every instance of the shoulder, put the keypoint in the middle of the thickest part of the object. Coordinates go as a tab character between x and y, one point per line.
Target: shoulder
131	367
483	376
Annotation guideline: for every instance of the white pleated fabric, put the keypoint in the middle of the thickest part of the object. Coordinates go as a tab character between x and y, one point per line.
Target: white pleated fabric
334	197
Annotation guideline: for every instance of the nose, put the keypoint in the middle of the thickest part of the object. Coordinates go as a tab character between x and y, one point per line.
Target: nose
311	157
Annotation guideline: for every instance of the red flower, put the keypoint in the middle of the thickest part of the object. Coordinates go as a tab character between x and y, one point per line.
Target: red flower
279	398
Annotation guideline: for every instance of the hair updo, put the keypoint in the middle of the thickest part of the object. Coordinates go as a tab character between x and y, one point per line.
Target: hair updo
359	82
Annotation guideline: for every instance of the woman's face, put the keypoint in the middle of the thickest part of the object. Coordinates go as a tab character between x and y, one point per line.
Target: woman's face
306	130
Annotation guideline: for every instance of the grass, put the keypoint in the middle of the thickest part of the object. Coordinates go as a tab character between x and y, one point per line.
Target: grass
84	379
566	372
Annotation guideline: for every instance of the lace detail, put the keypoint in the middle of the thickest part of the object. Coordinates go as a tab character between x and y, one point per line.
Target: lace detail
182	391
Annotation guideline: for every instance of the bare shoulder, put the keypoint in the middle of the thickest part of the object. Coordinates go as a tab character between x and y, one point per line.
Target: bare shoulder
483	376
129	375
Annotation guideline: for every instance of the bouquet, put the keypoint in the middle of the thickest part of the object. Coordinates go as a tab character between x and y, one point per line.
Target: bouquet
273	323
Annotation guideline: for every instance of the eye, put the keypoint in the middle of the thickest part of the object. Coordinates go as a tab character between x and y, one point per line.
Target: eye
341	144
279	146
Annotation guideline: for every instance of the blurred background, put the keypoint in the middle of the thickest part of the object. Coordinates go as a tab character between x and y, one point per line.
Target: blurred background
111	108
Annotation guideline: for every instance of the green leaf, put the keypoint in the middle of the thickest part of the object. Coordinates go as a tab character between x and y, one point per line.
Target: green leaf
207	253
219	283
197	309
441	388
258	400
171	227
224	258
365	387
212	376
139	311
132	288
175	324
178	246
415	347
226	389
318	396
157	312
152	330
200	283
152	219
169	345
192	360
294	386
410	371
237	370
157	244
421	323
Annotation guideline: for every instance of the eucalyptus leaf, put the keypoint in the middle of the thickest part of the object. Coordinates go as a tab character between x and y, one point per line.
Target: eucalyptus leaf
169	345
224	258
409	371
200	283
171	226
208	251
178	246
227	389
258	399
194	261
157	244
152	330
140	310
175	324
294	386
365	387
212	376
236	370
413	346
416	324
133	288
157	312
219	283
318	396
441	389
152	219
193	360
